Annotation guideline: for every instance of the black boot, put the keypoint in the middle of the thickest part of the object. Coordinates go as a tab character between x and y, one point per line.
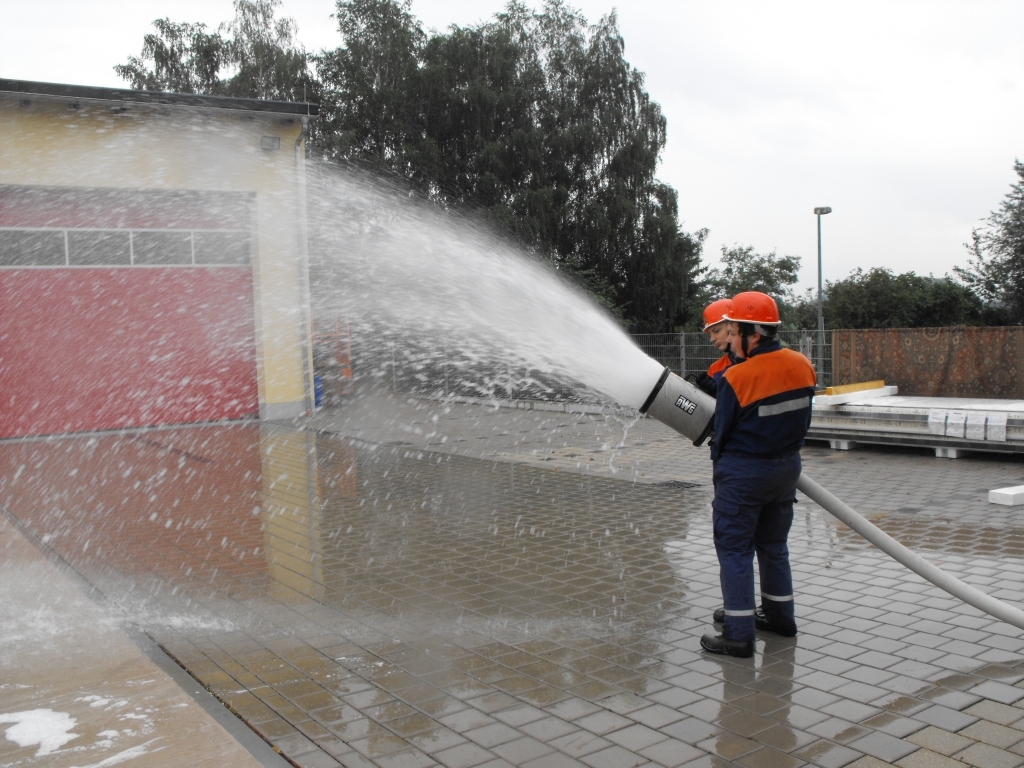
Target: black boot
768	622
785	629
742	649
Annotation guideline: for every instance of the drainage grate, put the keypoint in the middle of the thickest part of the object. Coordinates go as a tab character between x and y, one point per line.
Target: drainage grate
677	484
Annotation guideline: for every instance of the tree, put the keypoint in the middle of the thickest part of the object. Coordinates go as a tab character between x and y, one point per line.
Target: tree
366	112
267	60
182	58
743	269
996	273
536	120
880	299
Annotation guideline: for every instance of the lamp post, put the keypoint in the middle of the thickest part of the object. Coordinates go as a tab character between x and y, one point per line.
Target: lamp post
819	212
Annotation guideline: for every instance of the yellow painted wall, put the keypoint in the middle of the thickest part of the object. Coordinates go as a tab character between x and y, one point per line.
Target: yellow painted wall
291	514
137	146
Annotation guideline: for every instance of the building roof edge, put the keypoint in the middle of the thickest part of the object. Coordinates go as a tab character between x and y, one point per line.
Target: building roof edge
66	91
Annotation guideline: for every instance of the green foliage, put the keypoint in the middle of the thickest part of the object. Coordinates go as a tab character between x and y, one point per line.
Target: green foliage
182	58
804	313
880	299
269	62
365	108
996	273
743	269
262	51
535	119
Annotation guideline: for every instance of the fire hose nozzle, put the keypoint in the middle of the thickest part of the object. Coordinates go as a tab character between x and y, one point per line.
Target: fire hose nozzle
680	405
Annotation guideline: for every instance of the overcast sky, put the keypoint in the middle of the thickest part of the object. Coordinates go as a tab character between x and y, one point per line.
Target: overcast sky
903	116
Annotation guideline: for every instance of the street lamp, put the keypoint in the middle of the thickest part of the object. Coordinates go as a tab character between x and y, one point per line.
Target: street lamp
819	212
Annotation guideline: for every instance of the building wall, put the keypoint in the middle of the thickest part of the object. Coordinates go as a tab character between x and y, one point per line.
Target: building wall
59	142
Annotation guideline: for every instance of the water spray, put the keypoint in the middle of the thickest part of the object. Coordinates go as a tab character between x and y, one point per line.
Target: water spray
405	269
689	411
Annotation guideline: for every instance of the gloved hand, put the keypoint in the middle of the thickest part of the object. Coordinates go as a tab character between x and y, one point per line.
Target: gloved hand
704	382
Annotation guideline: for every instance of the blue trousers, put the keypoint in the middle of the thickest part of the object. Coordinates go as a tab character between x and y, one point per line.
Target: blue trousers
753	512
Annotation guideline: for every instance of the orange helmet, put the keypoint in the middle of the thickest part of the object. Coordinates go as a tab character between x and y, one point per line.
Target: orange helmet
753	307
716	312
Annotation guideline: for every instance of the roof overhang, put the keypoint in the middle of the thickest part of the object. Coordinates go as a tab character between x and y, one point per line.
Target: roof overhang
27	88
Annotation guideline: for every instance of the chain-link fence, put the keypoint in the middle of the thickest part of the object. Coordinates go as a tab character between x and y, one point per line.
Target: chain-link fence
693	352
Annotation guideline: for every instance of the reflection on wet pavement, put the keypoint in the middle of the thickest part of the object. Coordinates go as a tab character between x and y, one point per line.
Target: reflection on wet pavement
387	605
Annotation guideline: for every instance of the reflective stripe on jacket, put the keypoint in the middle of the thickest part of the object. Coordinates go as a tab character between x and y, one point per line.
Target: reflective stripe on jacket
764	406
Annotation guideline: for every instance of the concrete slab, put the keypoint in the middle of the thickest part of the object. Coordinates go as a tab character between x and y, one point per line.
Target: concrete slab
1011	497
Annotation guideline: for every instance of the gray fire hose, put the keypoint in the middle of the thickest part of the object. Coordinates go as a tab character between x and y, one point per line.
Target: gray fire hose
913	561
688	410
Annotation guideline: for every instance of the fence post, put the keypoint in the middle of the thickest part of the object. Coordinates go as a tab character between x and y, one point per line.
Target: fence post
682	354
444	351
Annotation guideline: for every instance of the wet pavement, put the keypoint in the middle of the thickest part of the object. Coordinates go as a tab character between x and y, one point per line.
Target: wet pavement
76	691
417	584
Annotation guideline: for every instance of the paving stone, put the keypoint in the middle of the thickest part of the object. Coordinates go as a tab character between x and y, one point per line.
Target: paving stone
986	756
579	743
827	754
940	741
993	733
492	735
1000	692
836	729
784	738
671	753
853	711
943	717
603	722
893	724
728	745
925	758
521	750
883	746
656	716
463	756
436	740
995	712
614	757
691	730
553	760
952	699
636	737
497	620
409	759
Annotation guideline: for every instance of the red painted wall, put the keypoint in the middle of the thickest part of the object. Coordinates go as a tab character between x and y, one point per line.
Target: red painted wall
91	349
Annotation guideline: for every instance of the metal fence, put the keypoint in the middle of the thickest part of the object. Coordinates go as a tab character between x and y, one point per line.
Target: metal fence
693	352
442	371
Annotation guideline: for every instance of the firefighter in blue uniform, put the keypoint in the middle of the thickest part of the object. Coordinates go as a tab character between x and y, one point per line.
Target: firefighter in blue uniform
762	415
